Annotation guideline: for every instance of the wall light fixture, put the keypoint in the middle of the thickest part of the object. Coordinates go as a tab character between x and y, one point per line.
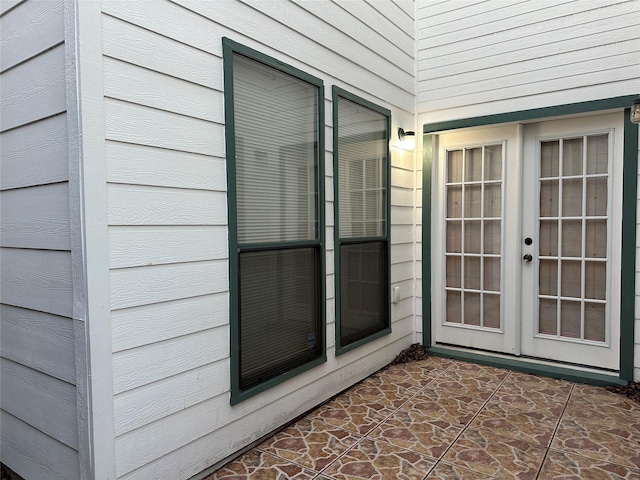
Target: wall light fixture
635	111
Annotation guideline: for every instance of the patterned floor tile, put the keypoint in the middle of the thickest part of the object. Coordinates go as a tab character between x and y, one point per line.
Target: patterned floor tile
410	377
417	432
494	455
445	405
379	397
568	465
476	388
529	426
256	465
311	443
599	406
446	471
522	391
355	418
376	459
611	444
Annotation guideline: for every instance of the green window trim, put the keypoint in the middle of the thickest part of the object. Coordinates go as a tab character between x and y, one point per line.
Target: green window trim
238	394
384	239
629	206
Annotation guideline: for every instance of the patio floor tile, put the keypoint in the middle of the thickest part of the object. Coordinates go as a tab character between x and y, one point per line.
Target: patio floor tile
570	465
379	460
449	420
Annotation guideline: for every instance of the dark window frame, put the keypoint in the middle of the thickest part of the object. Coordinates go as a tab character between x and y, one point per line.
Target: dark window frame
344	345
238	393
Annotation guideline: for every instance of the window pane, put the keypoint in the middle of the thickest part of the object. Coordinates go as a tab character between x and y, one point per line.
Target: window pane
472	308
276	135
472	273
570	319
549	198
572	238
473	165
571	279
572	156
363	290
491	310
548	316
454	307
362	176
454	269
279	312
472	201
454	166
594	322
597	154
492	274
572	198
597	196
493	162
549	159
549	238
493	200
548	277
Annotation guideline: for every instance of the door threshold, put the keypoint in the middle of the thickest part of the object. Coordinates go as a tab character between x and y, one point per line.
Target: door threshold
543	368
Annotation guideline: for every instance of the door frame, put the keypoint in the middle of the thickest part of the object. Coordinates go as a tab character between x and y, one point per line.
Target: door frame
628	254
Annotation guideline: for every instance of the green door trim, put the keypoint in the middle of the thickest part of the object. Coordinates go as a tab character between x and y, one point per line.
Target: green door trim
629	205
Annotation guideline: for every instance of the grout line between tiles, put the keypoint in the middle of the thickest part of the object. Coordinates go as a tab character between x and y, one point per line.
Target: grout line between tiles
464	429
555	431
393	412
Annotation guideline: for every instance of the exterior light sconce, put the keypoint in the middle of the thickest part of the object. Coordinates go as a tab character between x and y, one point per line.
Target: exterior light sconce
406	139
635	111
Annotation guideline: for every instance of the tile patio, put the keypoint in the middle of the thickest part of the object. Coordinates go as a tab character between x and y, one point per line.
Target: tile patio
446	419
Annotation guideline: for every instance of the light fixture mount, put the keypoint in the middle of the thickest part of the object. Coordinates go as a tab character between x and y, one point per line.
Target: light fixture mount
635	111
402	134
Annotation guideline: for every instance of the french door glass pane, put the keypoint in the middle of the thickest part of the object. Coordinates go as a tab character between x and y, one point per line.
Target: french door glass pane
276	154
579	261
473	235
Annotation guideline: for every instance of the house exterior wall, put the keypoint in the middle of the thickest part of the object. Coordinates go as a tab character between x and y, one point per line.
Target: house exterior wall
476	59
167	214
38	362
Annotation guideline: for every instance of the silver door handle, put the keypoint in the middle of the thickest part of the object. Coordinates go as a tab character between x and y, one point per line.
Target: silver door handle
527	257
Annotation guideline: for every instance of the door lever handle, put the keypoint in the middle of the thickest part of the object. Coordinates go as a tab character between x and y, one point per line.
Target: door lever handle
527	257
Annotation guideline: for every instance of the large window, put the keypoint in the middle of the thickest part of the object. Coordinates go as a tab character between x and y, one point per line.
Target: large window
361	167
274	121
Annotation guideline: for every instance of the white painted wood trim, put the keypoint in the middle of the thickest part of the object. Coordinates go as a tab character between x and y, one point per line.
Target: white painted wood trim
89	239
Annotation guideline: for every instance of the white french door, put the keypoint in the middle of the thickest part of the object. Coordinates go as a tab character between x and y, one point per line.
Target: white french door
526	247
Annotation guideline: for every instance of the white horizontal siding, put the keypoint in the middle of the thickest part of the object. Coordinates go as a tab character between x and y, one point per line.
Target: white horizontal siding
158	53
30	29
39	340
141	205
134	84
132	287
475	60
131	123
36	217
135	246
35	154
33	454
37	280
141	366
148	165
142	406
33	396
33	90
39	408
147	324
